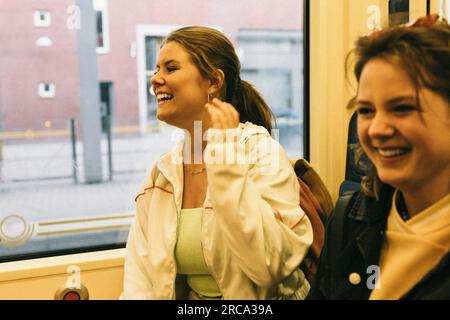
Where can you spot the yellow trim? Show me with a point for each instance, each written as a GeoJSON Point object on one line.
{"type": "Point", "coordinates": [128, 129]}
{"type": "Point", "coordinates": [33, 134]}
{"type": "Point", "coordinates": [417, 9]}
{"type": "Point", "coordinates": [100, 272]}
{"type": "Point", "coordinates": [103, 284]}
{"type": "Point", "coordinates": [435, 6]}
{"type": "Point", "coordinates": [329, 42]}
{"type": "Point", "coordinates": [52, 233]}
{"type": "Point", "coordinates": [84, 220]}
{"type": "Point", "coordinates": [35, 268]}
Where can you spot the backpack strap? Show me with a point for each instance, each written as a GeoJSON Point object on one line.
{"type": "Point", "coordinates": [343, 205]}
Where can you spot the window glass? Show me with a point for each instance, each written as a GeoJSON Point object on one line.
{"type": "Point", "coordinates": [78, 130]}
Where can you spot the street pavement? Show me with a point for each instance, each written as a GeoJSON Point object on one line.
{"type": "Point", "coordinates": [37, 181]}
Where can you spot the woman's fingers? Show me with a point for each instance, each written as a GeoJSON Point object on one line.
{"type": "Point", "coordinates": [217, 119]}
{"type": "Point", "coordinates": [225, 115]}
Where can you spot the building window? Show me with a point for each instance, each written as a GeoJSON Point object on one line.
{"type": "Point", "coordinates": [102, 25]}
{"type": "Point", "coordinates": [42, 18]}
{"type": "Point", "coordinates": [46, 89]}
{"type": "Point", "coordinates": [272, 61]}
{"type": "Point", "coordinates": [44, 42]}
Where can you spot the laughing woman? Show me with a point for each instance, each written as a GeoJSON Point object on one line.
{"type": "Point", "coordinates": [393, 239]}
{"type": "Point", "coordinates": [217, 218]}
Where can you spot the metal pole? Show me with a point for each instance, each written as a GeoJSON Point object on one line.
{"type": "Point", "coordinates": [108, 136]}
{"type": "Point", "coordinates": [90, 122]}
{"type": "Point", "coordinates": [73, 139]}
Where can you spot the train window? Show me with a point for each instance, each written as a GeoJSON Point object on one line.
{"type": "Point", "coordinates": [70, 166]}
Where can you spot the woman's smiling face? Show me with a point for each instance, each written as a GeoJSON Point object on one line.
{"type": "Point", "coordinates": [405, 132]}
{"type": "Point", "coordinates": [181, 91]}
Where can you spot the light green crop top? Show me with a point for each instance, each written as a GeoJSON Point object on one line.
{"type": "Point", "coordinates": [189, 254]}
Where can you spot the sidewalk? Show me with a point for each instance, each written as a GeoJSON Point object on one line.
{"type": "Point", "coordinates": [26, 190]}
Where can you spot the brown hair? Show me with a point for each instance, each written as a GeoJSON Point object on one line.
{"type": "Point", "coordinates": [423, 50]}
{"type": "Point", "coordinates": [211, 50]}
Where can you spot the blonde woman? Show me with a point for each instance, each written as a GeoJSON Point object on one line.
{"type": "Point", "coordinates": [215, 225]}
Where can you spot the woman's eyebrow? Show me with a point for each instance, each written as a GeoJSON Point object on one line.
{"type": "Point", "coordinates": [402, 99]}
{"type": "Point", "coordinates": [390, 101]}
{"type": "Point", "coordinates": [168, 62]}
{"type": "Point", "coordinates": [362, 101]}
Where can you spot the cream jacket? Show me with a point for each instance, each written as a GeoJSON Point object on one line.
{"type": "Point", "coordinates": [254, 233]}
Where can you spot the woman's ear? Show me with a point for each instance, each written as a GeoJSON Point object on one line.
{"type": "Point", "coordinates": [217, 82]}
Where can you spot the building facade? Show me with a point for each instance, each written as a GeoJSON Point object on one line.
{"type": "Point", "coordinates": [39, 81]}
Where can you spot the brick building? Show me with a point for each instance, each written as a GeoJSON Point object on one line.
{"type": "Point", "coordinates": [39, 82]}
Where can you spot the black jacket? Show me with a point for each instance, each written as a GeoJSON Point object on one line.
{"type": "Point", "coordinates": [353, 240]}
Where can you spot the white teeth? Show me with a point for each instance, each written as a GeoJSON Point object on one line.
{"type": "Point", "coordinates": [161, 97]}
{"type": "Point", "coordinates": [391, 152]}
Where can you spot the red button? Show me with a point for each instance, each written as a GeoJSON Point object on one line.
{"type": "Point", "coordinates": [71, 296]}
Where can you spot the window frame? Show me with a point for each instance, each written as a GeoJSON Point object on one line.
{"type": "Point", "coordinates": [159, 30]}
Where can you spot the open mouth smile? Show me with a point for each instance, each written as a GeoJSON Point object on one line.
{"type": "Point", "coordinates": [392, 153]}
{"type": "Point", "coordinates": [163, 97]}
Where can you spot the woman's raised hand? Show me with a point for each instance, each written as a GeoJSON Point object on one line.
{"type": "Point", "coordinates": [223, 115]}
